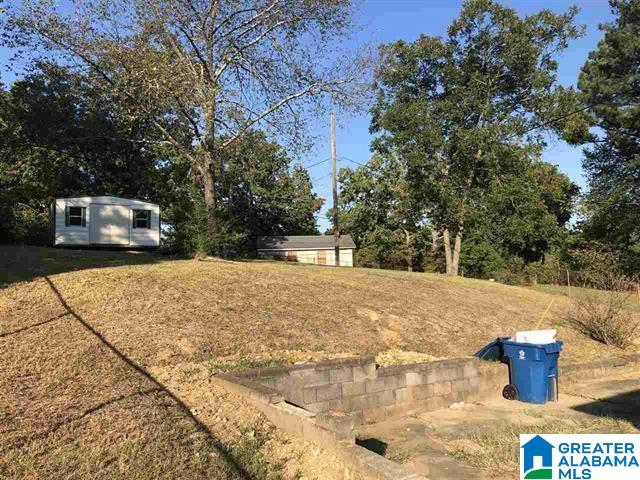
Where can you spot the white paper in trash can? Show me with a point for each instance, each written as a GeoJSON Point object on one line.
{"type": "Point", "coordinates": [540, 337]}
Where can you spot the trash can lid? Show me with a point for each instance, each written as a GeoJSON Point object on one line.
{"type": "Point", "coordinates": [492, 351]}
{"type": "Point", "coordinates": [555, 347]}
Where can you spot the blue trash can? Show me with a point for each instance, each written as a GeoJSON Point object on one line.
{"type": "Point", "coordinates": [533, 370]}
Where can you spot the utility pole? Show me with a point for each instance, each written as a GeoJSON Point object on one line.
{"type": "Point", "coordinates": [336, 229]}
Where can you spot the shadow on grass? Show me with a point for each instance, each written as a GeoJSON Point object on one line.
{"type": "Point", "coordinates": [28, 327]}
{"type": "Point", "coordinates": [211, 439]}
{"type": "Point", "coordinates": [22, 263]}
{"type": "Point", "coordinates": [624, 406]}
{"type": "Point", "coordinates": [92, 410]}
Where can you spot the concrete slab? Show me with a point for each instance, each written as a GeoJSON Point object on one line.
{"type": "Point", "coordinates": [617, 395]}
{"type": "Point", "coordinates": [421, 440]}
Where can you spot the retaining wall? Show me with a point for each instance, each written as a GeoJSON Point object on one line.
{"type": "Point", "coordinates": [575, 372]}
{"type": "Point", "coordinates": [326, 430]}
{"type": "Point", "coordinates": [357, 385]}
{"type": "Point", "coordinates": [323, 402]}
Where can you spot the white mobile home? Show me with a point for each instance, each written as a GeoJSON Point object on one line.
{"type": "Point", "coordinates": [105, 221]}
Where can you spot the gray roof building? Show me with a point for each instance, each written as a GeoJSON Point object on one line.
{"type": "Point", "coordinates": [304, 242]}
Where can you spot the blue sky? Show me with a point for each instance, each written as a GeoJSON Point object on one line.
{"type": "Point", "coordinates": [384, 21]}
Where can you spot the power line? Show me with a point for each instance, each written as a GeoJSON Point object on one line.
{"type": "Point", "coordinates": [562, 117]}
{"type": "Point", "coordinates": [528, 130]}
{"type": "Point", "coordinates": [614, 202]}
{"type": "Point", "coordinates": [316, 164]}
{"type": "Point", "coordinates": [363, 165]}
{"type": "Point", "coordinates": [320, 177]}
{"type": "Point", "coordinates": [357, 163]}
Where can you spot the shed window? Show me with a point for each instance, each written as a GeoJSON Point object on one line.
{"type": "Point", "coordinates": [75, 216]}
{"type": "Point", "coordinates": [142, 219]}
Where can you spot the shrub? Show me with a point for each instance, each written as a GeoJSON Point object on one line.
{"type": "Point", "coordinates": [596, 267]}
{"type": "Point", "coordinates": [603, 313]}
{"type": "Point", "coordinates": [551, 270]}
{"type": "Point", "coordinates": [366, 257]}
{"type": "Point", "coordinates": [27, 225]}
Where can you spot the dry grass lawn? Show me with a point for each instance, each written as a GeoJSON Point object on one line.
{"type": "Point", "coordinates": [496, 448]}
{"type": "Point", "coordinates": [105, 355]}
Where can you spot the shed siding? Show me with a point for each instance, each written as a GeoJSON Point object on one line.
{"type": "Point", "coordinates": [72, 235]}
{"type": "Point", "coordinates": [146, 237]}
{"type": "Point", "coordinates": [346, 257]}
{"type": "Point", "coordinates": [75, 235]}
{"type": "Point", "coordinates": [307, 256]}
{"type": "Point", "coordinates": [312, 256]}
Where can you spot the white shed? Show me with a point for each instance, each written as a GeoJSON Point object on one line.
{"type": "Point", "coordinates": [105, 221]}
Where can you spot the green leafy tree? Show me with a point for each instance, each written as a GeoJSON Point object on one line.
{"type": "Point", "coordinates": [610, 85]}
{"type": "Point", "coordinates": [60, 137]}
{"type": "Point", "coordinates": [223, 68]}
{"type": "Point", "coordinates": [472, 107]}
{"type": "Point", "coordinates": [375, 208]}
{"type": "Point", "coordinates": [524, 218]}
{"type": "Point", "coordinates": [266, 194]}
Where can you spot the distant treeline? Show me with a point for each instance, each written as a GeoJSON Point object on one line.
{"type": "Point", "coordinates": [203, 113]}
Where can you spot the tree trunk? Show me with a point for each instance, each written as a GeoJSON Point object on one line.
{"type": "Point", "coordinates": [452, 257]}
{"type": "Point", "coordinates": [209, 180]}
{"type": "Point", "coordinates": [410, 257]}
{"type": "Point", "coordinates": [447, 250]}
{"type": "Point", "coordinates": [211, 201]}
{"type": "Point", "coordinates": [455, 263]}
{"type": "Point", "coordinates": [434, 241]}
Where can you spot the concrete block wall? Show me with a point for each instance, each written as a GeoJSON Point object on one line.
{"type": "Point", "coordinates": [600, 368]}
{"type": "Point", "coordinates": [340, 394]}
{"type": "Point", "coordinates": [319, 387]}
{"type": "Point", "coordinates": [436, 385]}
{"type": "Point", "coordinates": [326, 430]}
{"type": "Point", "coordinates": [357, 385]}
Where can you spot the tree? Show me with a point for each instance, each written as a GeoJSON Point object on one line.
{"type": "Point", "coordinates": [224, 68]}
{"type": "Point", "coordinates": [265, 194]}
{"type": "Point", "coordinates": [376, 210]}
{"type": "Point", "coordinates": [524, 217]}
{"type": "Point", "coordinates": [471, 108]}
{"type": "Point", "coordinates": [610, 86]}
{"type": "Point", "coordinates": [60, 137]}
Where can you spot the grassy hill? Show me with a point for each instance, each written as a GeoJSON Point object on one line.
{"type": "Point", "coordinates": [106, 355]}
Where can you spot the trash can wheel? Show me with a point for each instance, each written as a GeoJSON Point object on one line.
{"type": "Point", "coordinates": [510, 392]}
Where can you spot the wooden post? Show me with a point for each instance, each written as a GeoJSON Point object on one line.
{"type": "Point", "coordinates": [408, 241]}
{"type": "Point", "coordinates": [544, 314]}
{"type": "Point", "coordinates": [336, 228]}
{"type": "Point", "coordinates": [568, 283]}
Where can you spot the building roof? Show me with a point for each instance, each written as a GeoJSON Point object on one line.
{"type": "Point", "coordinates": [105, 198]}
{"type": "Point", "coordinates": [301, 242]}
